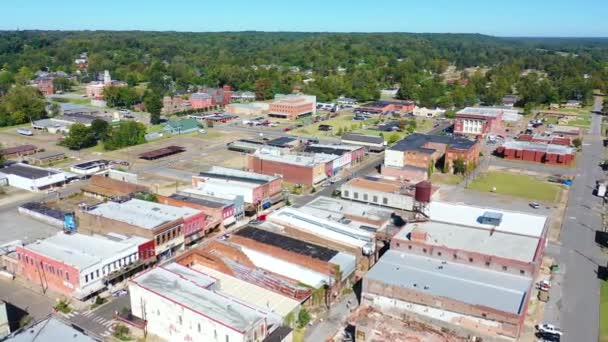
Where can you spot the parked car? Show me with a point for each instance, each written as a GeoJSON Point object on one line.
{"type": "Point", "coordinates": [544, 337]}
{"type": "Point", "coordinates": [544, 285]}
{"type": "Point", "coordinates": [120, 293]}
{"type": "Point", "coordinates": [535, 205]}
{"type": "Point", "coordinates": [548, 329]}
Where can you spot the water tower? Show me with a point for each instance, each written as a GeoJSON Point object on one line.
{"type": "Point", "coordinates": [422, 198]}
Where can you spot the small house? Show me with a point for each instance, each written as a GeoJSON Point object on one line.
{"type": "Point", "coordinates": [181, 126]}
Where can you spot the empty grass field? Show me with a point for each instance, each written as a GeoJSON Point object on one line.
{"type": "Point", "coordinates": [517, 185]}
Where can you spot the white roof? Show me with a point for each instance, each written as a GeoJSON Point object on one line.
{"type": "Point", "coordinates": [309, 160]}
{"type": "Point", "coordinates": [323, 228]}
{"type": "Point", "coordinates": [82, 251]}
{"type": "Point", "coordinates": [144, 214]}
{"type": "Point", "coordinates": [292, 271]}
{"type": "Point", "coordinates": [466, 215]}
{"type": "Point", "coordinates": [238, 173]}
{"type": "Point", "coordinates": [487, 111]}
{"type": "Point", "coordinates": [187, 288]}
{"type": "Point", "coordinates": [250, 293]}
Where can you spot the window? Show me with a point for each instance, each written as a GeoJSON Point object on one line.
{"type": "Point", "coordinates": [157, 312]}
{"type": "Point", "coordinates": [227, 338]}
{"type": "Point", "coordinates": [522, 272]}
{"type": "Point", "coordinates": [488, 263]}
{"type": "Point", "coordinates": [384, 200]}
{"type": "Point", "coordinates": [215, 334]}
{"type": "Point", "coordinates": [199, 327]}
{"type": "Point", "coordinates": [438, 253]}
{"type": "Point", "coordinates": [67, 276]}
{"type": "Point", "coordinates": [86, 278]}
{"type": "Point", "coordinates": [409, 247]}
{"type": "Point", "coordinates": [398, 244]}
{"type": "Point", "coordinates": [365, 197]}
{"type": "Point", "coordinates": [484, 315]}
{"type": "Point", "coordinates": [179, 319]}
{"type": "Point", "coordinates": [424, 250]}
{"type": "Point", "coordinates": [345, 193]}
{"type": "Point", "coordinates": [355, 195]}
{"type": "Point", "coordinates": [455, 256]}
{"type": "Point", "coordinates": [504, 268]}
{"type": "Point", "coordinates": [97, 273]}
{"type": "Point", "coordinates": [375, 199]}
{"type": "Point", "coordinates": [470, 259]}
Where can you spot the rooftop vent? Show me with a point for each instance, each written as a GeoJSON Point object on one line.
{"type": "Point", "coordinates": [490, 217]}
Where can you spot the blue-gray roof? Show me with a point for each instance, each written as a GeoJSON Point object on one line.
{"type": "Point", "coordinates": [468, 284]}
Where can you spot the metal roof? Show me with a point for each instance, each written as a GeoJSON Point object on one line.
{"type": "Point", "coordinates": [28, 171]}
{"type": "Point", "coordinates": [81, 251]}
{"type": "Point", "coordinates": [468, 284]}
{"type": "Point", "coordinates": [51, 329]}
{"type": "Point", "coordinates": [144, 214]}
{"type": "Point", "coordinates": [17, 149]}
{"type": "Point", "coordinates": [281, 141]}
{"type": "Point", "coordinates": [200, 201]}
{"type": "Point", "coordinates": [44, 210]}
{"type": "Point", "coordinates": [162, 152]}
{"type": "Point", "coordinates": [45, 155]}
{"type": "Point", "coordinates": [237, 175]}
{"type": "Point", "coordinates": [539, 147]}
{"type": "Point", "coordinates": [188, 288]}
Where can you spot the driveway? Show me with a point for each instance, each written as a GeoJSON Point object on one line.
{"type": "Point", "coordinates": [574, 306]}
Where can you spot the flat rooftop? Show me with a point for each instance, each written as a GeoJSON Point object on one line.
{"type": "Point", "coordinates": [463, 283]}
{"type": "Point", "coordinates": [281, 141]}
{"type": "Point", "coordinates": [212, 200]}
{"type": "Point", "coordinates": [82, 251]}
{"type": "Point", "coordinates": [505, 245]}
{"type": "Point", "coordinates": [324, 228]}
{"type": "Point", "coordinates": [485, 111]}
{"type": "Point", "coordinates": [336, 205]}
{"type": "Point", "coordinates": [237, 175]}
{"type": "Point", "coordinates": [161, 152]}
{"type": "Point", "coordinates": [382, 185]}
{"type": "Point", "coordinates": [144, 214]}
{"type": "Point", "coordinates": [28, 171]}
{"type": "Point", "coordinates": [417, 141]}
{"type": "Point", "coordinates": [197, 200]}
{"type": "Point", "coordinates": [91, 164]}
{"type": "Point", "coordinates": [331, 149]}
{"type": "Point", "coordinates": [17, 149]}
{"type": "Point", "coordinates": [467, 215]}
{"type": "Point", "coordinates": [249, 292]}
{"type": "Point", "coordinates": [539, 147]}
{"type": "Point", "coordinates": [46, 155]}
{"type": "Point", "coordinates": [308, 160]}
{"type": "Point", "coordinates": [364, 138]}
{"type": "Point", "coordinates": [188, 288]}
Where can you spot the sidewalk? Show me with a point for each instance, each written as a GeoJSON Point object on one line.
{"type": "Point", "coordinates": [331, 322]}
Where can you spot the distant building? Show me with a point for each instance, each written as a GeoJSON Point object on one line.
{"type": "Point", "coordinates": [347, 154]}
{"type": "Point", "coordinates": [244, 109]}
{"type": "Point", "coordinates": [18, 151]}
{"type": "Point", "coordinates": [385, 107]}
{"type": "Point", "coordinates": [80, 265]}
{"type": "Point", "coordinates": [292, 106]}
{"type": "Point", "coordinates": [245, 96]}
{"type": "Point", "coordinates": [201, 101]}
{"type": "Point", "coordinates": [510, 100]}
{"type": "Point", "coordinates": [481, 121]}
{"type": "Point", "coordinates": [94, 90]}
{"type": "Point", "coordinates": [306, 169]}
{"type": "Point", "coordinates": [175, 104]}
{"type": "Point", "coordinates": [572, 104]}
{"type": "Point", "coordinates": [410, 157]}
{"type": "Point", "coordinates": [389, 92]}
{"type": "Point", "coordinates": [220, 96]}
{"type": "Point", "coordinates": [346, 101]}
{"type": "Point", "coordinates": [537, 152]}
{"type": "Point", "coordinates": [45, 86]}
{"type": "Point", "coordinates": [182, 126]}
{"type": "Point", "coordinates": [428, 113]}
{"type": "Point", "coordinates": [45, 158]}
{"type": "Point", "coordinates": [372, 143]}
{"type": "Point", "coordinates": [106, 188]}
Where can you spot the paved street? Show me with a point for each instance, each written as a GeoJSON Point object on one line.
{"type": "Point", "coordinates": [100, 320]}
{"type": "Point", "coordinates": [335, 320]}
{"type": "Point", "coordinates": [576, 308]}
{"type": "Point", "coordinates": [35, 304]}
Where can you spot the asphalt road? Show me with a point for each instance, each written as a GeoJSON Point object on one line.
{"type": "Point", "coordinates": [100, 320]}
{"type": "Point", "coordinates": [579, 256]}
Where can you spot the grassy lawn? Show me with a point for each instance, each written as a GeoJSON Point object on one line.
{"type": "Point", "coordinates": [604, 312]}
{"type": "Point", "coordinates": [343, 121]}
{"type": "Point", "coordinates": [96, 148]}
{"type": "Point", "coordinates": [210, 134]}
{"type": "Point", "coordinates": [155, 128]}
{"type": "Point", "coordinates": [81, 101]}
{"type": "Point", "coordinates": [8, 128]}
{"type": "Point", "coordinates": [516, 185]}
{"type": "Point", "coordinates": [584, 120]}
{"type": "Point", "coordinates": [446, 178]}
{"type": "Point", "coordinates": [298, 335]}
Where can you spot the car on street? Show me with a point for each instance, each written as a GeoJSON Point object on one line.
{"type": "Point", "coordinates": [548, 329]}
{"type": "Point", "coordinates": [535, 205]}
{"type": "Point", "coordinates": [544, 285]}
{"type": "Point", "coordinates": [549, 337]}
{"type": "Point", "coordinates": [120, 293]}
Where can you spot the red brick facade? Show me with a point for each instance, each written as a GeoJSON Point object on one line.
{"type": "Point", "coordinates": [535, 156]}
{"type": "Point", "coordinates": [296, 174]}
{"type": "Point", "coordinates": [47, 272]}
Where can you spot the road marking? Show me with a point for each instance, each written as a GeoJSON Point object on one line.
{"type": "Point", "coordinates": [98, 320]}
{"type": "Point", "coordinates": [108, 324]}
{"type": "Point", "coordinates": [88, 314]}
{"type": "Point", "coordinates": [572, 217]}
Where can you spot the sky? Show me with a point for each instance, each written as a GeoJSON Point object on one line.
{"type": "Point", "coordinates": [555, 18]}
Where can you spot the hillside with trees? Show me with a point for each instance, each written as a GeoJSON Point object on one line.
{"type": "Point", "coordinates": [352, 64]}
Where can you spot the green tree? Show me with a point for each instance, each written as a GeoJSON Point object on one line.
{"type": "Point", "coordinates": [6, 81]}
{"type": "Point", "coordinates": [1, 158]}
{"type": "Point", "coordinates": [263, 90]}
{"type": "Point", "coordinates": [80, 136]}
{"type": "Point", "coordinates": [54, 109]}
{"type": "Point", "coordinates": [23, 76]}
{"type": "Point", "coordinates": [128, 133]}
{"type": "Point", "coordinates": [303, 318]}
{"type": "Point", "coordinates": [100, 128]}
{"type": "Point", "coordinates": [62, 84]}
{"type": "Point", "coordinates": [393, 138]}
{"type": "Point", "coordinates": [20, 105]}
{"type": "Point", "coordinates": [460, 166]}
{"type": "Point", "coordinates": [577, 143]}
{"type": "Point", "coordinates": [120, 97]}
{"type": "Point", "coordinates": [154, 105]}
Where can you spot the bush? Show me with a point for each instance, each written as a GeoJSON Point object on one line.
{"type": "Point", "coordinates": [577, 143]}
{"type": "Point", "coordinates": [122, 332]}
{"type": "Point", "coordinates": [303, 318]}
{"type": "Point", "coordinates": [63, 306]}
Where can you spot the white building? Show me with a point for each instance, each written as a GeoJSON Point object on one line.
{"type": "Point", "coordinates": [181, 304]}
{"type": "Point", "coordinates": [32, 178]}
{"type": "Point", "coordinates": [428, 113]}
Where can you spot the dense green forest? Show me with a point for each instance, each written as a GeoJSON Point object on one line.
{"type": "Point", "coordinates": [352, 64]}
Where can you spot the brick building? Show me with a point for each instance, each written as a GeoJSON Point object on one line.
{"type": "Point", "coordinates": [79, 265]}
{"type": "Point", "coordinates": [347, 154]}
{"type": "Point", "coordinates": [410, 158]}
{"type": "Point", "coordinates": [537, 152]}
{"type": "Point", "coordinates": [480, 121]}
{"type": "Point", "coordinates": [18, 151]}
{"type": "Point", "coordinates": [201, 101]}
{"type": "Point", "coordinates": [168, 226]}
{"type": "Point", "coordinates": [45, 85]}
{"type": "Point", "coordinates": [545, 139]}
{"type": "Point", "coordinates": [292, 106]}
{"type": "Point", "coordinates": [219, 212]}
{"type": "Point", "coordinates": [219, 96]}
{"type": "Point", "coordinates": [385, 107]}
{"type": "Point", "coordinates": [255, 188]}
{"type": "Point", "coordinates": [175, 104]}
{"type": "Point", "coordinates": [104, 187]}
{"type": "Point", "coordinates": [306, 169]}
